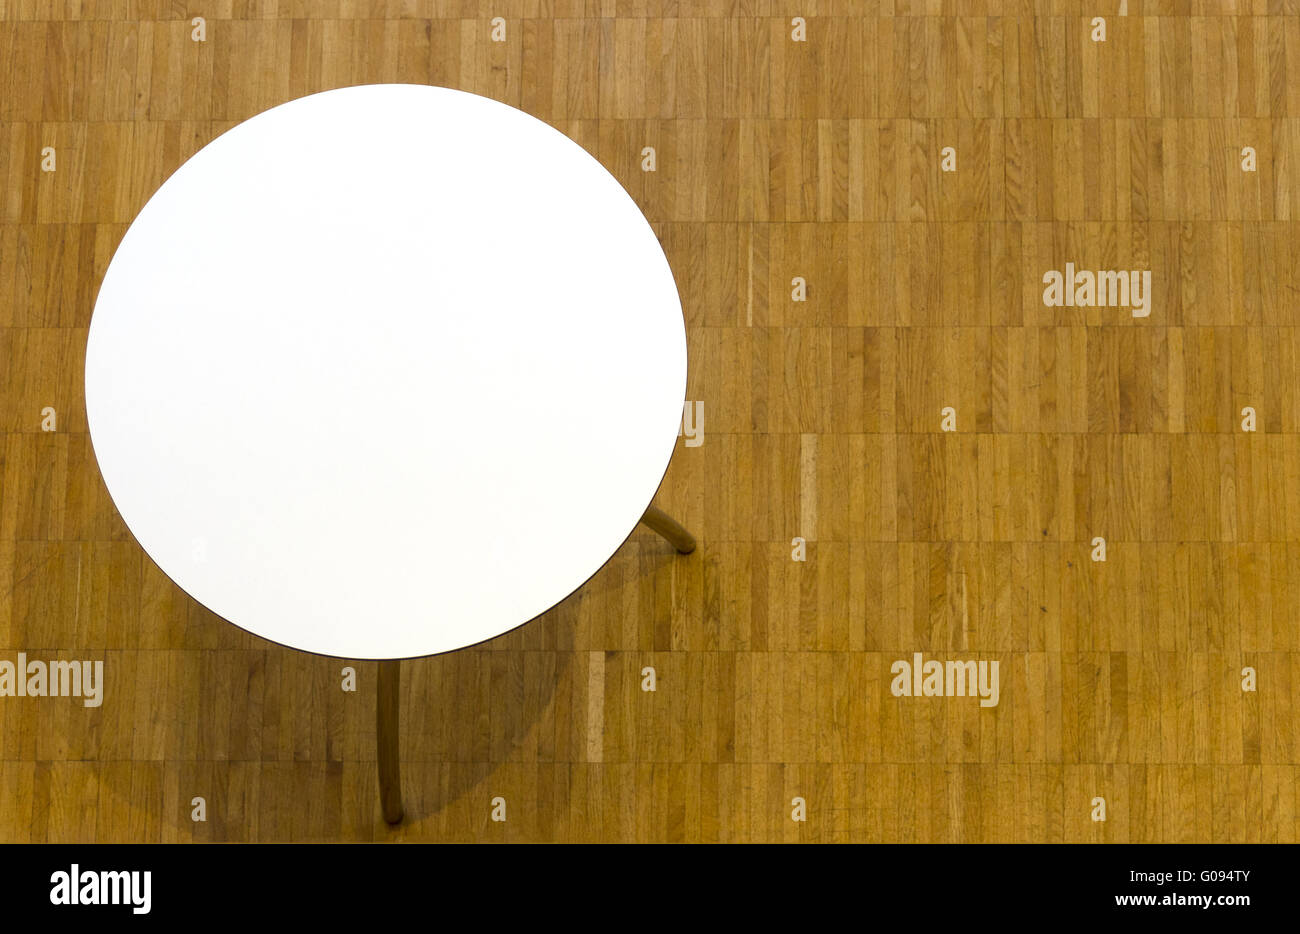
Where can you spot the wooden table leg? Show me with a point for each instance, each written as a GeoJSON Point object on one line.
{"type": "Point", "coordinates": [386, 719]}
{"type": "Point", "coordinates": [659, 521]}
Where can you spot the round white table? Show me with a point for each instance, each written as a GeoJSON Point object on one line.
{"type": "Point", "coordinates": [385, 372]}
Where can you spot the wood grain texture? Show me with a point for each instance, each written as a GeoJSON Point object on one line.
{"type": "Point", "coordinates": [775, 159]}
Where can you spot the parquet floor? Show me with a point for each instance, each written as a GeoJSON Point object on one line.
{"type": "Point", "coordinates": [822, 419]}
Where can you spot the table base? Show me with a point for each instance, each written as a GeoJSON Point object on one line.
{"type": "Point", "coordinates": [390, 677]}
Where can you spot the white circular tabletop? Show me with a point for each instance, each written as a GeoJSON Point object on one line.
{"type": "Point", "coordinates": [385, 371]}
